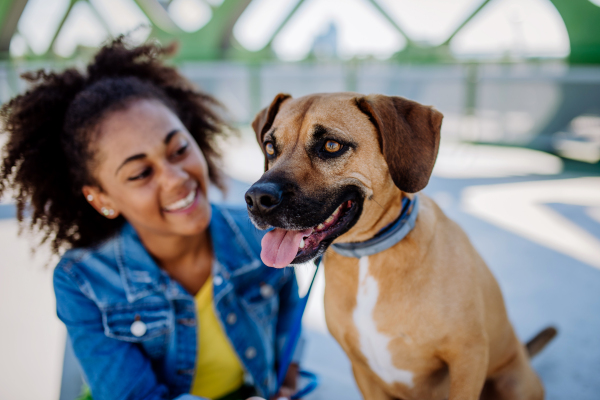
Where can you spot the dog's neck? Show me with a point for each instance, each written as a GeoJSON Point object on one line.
{"type": "Point", "coordinates": [377, 214]}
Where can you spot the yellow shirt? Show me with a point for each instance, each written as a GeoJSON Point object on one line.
{"type": "Point", "coordinates": [218, 370]}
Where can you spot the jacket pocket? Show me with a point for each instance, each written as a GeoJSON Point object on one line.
{"type": "Point", "coordinates": [147, 324]}
{"type": "Point", "coordinates": [261, 294]}
{"type": "Point", "coordinates": [264, 309]}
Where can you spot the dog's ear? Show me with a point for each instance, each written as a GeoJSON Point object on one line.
{"type": "Point", "coordinates": [264, 120]}
{"type": "Point", "coordinates": [409, 136]}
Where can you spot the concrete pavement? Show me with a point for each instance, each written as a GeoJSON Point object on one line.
{"type": "Point", "coordinates": [542, 253]}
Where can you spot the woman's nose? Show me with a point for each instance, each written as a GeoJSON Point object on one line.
{"type": "Point", "coordinates": [173, 176]}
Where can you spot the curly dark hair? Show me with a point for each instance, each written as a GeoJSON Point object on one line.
{"type": "Point", "coordinates": [49, 155]}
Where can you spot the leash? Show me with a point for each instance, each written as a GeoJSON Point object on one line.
{"type": "Point", "coordinates": [292, 342]}
{"type": "Point", "coordinates": [386, 238]}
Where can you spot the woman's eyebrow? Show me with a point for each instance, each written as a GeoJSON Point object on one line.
{"type": "Point", "coordinates": [170, 135]}
{"type": "Point", "coordinates": [140, 156]}
{"type": "Point", "coordinates": [129, 159]}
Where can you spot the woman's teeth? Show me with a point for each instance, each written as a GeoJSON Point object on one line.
{"type": "Point", "coordinates": [183, 203]}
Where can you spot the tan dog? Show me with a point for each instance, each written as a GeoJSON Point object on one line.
{"type": "Point", "coordinates": [422, 320]}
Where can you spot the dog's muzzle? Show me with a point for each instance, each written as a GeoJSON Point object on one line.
{"type": "Point", "coordinates": [305, 224]}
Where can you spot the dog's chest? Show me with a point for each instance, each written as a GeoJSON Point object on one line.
{"type": "Point", "coordinates": [373, 344]}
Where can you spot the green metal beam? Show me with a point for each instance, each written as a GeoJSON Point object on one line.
{"type": "Point", "coordinates": [100, 18]}
{"type": "Point", "coordinates": [215, 40]}
{"type": "Point", "coordinates": [212, 42]}
{"type": "Point", "coordinates": [10, 13]}
{"type": "Point", "coordinates": [284, 23]}
{"type": "Point", "coordinates": [60, 26]}
{"type": "Point", "coordinates": [582, 20]}
{"type": "Point", "coordinates": [465, 22]}
{"type": "Point", "coordinates": [159, 16]}
{"type": "Point", "coordinates": [385, 15]}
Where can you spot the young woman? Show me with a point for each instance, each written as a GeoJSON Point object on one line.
{"type": "Point", "coordinates": [163, 294]}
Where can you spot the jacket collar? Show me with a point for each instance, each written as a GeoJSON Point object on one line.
{"type": "Point", "coordinates": [232, 251]}
{"type": "Point", "coordinates": [141, 276]}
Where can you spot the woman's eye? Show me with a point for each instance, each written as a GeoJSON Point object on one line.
{"type": "Point", "coordinates": [331, 146]}
{"type": "Point", "coordinates": [269, 148]}
{"type": "Point", "coordinates": [145, 173]}
{"type": "Point", "coordinates": [181, 150]}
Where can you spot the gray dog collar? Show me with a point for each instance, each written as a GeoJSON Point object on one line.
{"type": "Point", "coordinates": [387, 237]}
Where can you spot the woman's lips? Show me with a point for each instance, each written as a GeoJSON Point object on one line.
{"type": "Point", "coordinates": [185, 203]}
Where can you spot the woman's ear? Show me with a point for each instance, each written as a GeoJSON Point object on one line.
{"type": "Point", "coordinates": [409, 135]}
{"type": "Point", "coordinates": [100, 201]}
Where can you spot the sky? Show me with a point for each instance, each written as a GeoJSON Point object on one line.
{"type": "Point", "coordinates": [517, 27]}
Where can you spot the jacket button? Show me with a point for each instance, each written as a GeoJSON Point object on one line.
{"type": "Point", "coordinates": [138, 328]}
{"type": "Point", "coordinates": [217, 280]}
{"type": "Point", "coordinates": [231, 318]}
{"type": "Point", "coordinates": [266, 291]}
{"type": "Point", "coordinates": [250, 353]}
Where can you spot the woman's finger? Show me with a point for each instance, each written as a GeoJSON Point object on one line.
{"type": "Point", "coordinates": [285, 393]}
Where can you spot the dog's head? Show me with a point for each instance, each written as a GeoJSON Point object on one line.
{"type": "Point", "coordinates": [332, 158]}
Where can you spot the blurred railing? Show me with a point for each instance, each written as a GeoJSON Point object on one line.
{"type": "Point", "coordinates": [500, 103]}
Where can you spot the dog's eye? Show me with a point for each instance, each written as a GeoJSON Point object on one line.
{"type": "Point", "coordinates": [269, 148]}
{"type": "Point", "coordinates": [331, 146]}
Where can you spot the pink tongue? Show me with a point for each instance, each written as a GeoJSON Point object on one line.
{"type": "Point", "coordinates": [279, 247]}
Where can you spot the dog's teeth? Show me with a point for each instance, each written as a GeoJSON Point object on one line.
{"type": "Point", "coordinates": [302, 243]}
{"type": "Point", "coordinates": [331, 218]}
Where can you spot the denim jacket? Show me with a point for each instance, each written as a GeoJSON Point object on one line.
{"type": "Point", "coordinates": [102, 292]}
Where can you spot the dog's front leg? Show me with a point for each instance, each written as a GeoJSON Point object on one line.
{"type": "Point", "coordinates": [468, 367]}
{"type": "Point", "coordinates": [369, 387]}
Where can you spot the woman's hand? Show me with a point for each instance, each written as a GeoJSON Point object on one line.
{"type": "Point", "coordinates": [288, 388]}
{"type": "Point", "coordinates": [289, 385]}
{"type": "Point", "coordinates": [285, 393]}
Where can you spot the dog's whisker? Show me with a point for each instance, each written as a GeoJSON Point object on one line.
{"type": "Point", "coordinates": [376, 202]}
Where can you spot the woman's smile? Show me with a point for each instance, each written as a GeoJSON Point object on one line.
{"type": "Point", "coordinates": [185, 204]}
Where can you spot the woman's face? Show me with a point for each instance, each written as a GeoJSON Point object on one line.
{"type": "Point", "coordinates": [151, 171]}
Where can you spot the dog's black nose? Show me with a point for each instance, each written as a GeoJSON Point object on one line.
{"type": "Point", "coordinates": [263, 197]}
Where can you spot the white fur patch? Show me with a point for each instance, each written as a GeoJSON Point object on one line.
{"type": "Point", "coordinates": [373, 344]}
